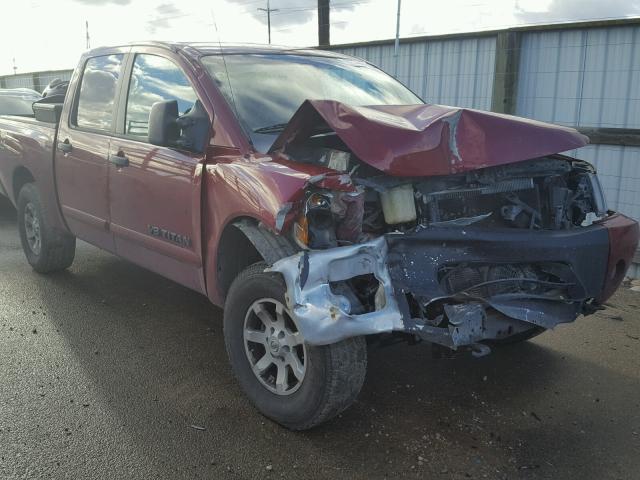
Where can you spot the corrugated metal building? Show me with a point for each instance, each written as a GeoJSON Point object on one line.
{"type": "Point", "coordinates": [589, 78]}
{"type": "Point", "coordinates": [451, 71]}
{"type": "Point", "coordinates": [584, 75]}
{"type": "Point", "coordinates": [36, 80]}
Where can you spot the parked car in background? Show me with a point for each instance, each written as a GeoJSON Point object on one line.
{"type": "Point", "coordinates": [19, 92]}
{"type": "Point", "coordinates": [320, 202]}
{"type": "Point", "coordinates": [18, 101]}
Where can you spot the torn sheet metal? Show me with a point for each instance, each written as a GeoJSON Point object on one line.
{"type": "Point", "coordinates": [543, 313]}
{"type": "Point", "coordinates": [282, 215]}
{"type": "Point", "coordinates": [325, 317]}
{"type": "Point", "coordinates": [407, 267]}
{"type": "Point", "coordinates": [462, 221]}
{"type": "Point", "coordinates": [422, 140]}
{"type": "Point", "coordinates": [466, 322]}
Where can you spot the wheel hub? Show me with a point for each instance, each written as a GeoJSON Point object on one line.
{"type": "Point", "coordinates": [274, 347]}
{"type": "Point", "coordinates": [32, 229]}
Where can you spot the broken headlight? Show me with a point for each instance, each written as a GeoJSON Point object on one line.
{"type": "Point", "coordinates": [315, 227]}
{"type": "Point", "coordinates": [330, 218]}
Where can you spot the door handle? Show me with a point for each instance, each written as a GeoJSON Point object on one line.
{"type": "Point", "coordinates": [65, 147]}
{"type": "Point", "coordinates": [119, 160]}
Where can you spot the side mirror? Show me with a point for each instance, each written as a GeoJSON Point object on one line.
{"type": "Point", "coordinates": [163, 129]}
{"type": "Point", "coordinates": [195, 127]}
{"type": "Point", "coordinates": [48, 109]}
{"type": "Point", "coordinates": [189, 131]}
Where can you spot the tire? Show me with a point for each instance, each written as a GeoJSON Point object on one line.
{"type": "Point", "coordinates": [333, 374]}
{"type": "Point", "coordinates": [47, 250]}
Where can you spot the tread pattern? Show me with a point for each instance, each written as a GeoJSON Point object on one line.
{"type": "Point", "coordinates": [347, 367]}
{"type": "Point", "coordinates": [58, 248]}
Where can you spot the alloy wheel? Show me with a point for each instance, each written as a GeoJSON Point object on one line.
{"type": "Point", "coordinates": [32, 229]}
{"type": "Point", "coordinates": [274, 346]}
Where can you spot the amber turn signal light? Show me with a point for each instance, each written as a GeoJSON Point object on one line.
{"type": "Point", "coordinates": [301, 230]}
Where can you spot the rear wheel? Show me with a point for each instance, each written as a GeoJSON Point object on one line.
{"type": "Point", "coordinates": [47, 250]}
{"type": "Point", "coordinates": [294, 384]}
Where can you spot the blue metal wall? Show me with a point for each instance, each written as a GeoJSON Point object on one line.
{"type": "Point", "coordinates": [450, 72]}
{"type": "Point", "coordinates": [589, 78]}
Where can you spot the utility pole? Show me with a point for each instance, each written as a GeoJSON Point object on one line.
{"type": "Point", "coordinates": [15, 69]}
{"type": "Point", "coordinates": [323, 23]}
{"type": "Point", "coordinates": [269, 10]}
{"type": "Point", "coordinates": [86, 24]}
{"type": "Point", "coordinates": [397, 45]}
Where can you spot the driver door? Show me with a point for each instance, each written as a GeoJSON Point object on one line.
{"type": "Point", "coordinates": [154, 191]}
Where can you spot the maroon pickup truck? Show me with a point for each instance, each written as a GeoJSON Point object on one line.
{"type": "Point", "coordinates": [321, 202]}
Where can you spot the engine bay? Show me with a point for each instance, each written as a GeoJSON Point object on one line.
{"type": "Point", "coordinates": [550, 193]}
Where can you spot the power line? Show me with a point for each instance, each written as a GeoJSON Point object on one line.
{"type": "Point", "coordinates": [269, 10]}
{"type": "Point", "coordinates": [294, 10]}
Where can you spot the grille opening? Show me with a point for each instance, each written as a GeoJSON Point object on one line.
{"type": "Point", "coordinates": [486, 280]}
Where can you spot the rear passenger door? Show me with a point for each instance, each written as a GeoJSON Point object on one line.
{"type": "Point", "coordinates": [155, 196]}
{"type": "Point", "coordinates": [84, 136]}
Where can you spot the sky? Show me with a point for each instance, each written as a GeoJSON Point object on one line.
{"type": "Point", "coordinates": [50, 35]}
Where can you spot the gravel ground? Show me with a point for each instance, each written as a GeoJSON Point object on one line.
{"type": "Point", "coordinates": [109, 371]}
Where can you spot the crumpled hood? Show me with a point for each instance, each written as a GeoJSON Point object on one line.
{"type": "Point", "coordinates": [421, 140]}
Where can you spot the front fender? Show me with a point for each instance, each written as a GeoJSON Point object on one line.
{"type": "Point", "coordinates": [256, 191]}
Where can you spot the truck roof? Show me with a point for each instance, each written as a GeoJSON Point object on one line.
{"type": "Point", "coordinates": [196, 49]}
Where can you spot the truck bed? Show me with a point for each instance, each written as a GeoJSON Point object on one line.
{"type": "Point", "coordinates": [27, 145]}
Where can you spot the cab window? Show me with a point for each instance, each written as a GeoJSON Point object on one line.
{"type": "Point", "coordinates": [154, 79]}
{"type": "Point", "coordinates": [96, 101]}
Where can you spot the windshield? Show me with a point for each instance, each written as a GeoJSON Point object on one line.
{"type": "Point", "coordinates": [265, 90]}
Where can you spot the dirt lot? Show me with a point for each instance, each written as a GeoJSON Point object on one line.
{"type": "Point", "coordinates": [108, 371]}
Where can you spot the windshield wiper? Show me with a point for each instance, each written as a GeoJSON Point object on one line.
{"type": "Point", "coordinates": [277, 128]}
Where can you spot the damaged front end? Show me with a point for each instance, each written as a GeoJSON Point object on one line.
{"type": "Point", "coordinates": [459, 258]}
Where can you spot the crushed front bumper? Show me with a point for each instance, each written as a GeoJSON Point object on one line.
{"type": "Point", "coordinates": [407, 266]}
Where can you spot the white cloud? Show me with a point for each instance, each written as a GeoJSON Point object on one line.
{"type": "Point", "coordinates": [573, 10]}
{"type": "Point", "coordinates": [103, 2]}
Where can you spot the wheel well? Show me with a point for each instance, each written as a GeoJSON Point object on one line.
{"type": "Point", "coordinates": [235, 253]}
{"type": "Point", "coordinates": [21, 177]}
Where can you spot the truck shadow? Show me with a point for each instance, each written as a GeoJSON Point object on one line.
{"type": "Point", "coordinates": [155, 350]}
{"type": "Point", "coordinates": [7, 212]}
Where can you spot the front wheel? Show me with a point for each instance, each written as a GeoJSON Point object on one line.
{"type": "Point", "coordinates": [47, 250]}
{"type": "Point", "coordinates": [294, 384]}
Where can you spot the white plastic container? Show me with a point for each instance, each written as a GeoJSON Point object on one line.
{"type": "Point", "coordinates": [398, 205]}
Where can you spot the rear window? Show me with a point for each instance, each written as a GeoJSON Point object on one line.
{"type": "Point", "coordinates": [96, 101]}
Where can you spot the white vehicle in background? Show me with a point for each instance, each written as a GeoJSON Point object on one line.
{"type": "Point", "coordinates": [18, 101]}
